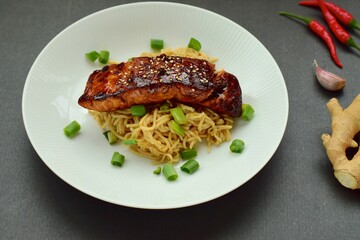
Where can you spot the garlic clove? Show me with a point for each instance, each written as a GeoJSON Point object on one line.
{"type": "Point", "coordinates": [328, 80]}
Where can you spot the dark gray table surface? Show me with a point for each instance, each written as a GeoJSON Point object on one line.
{"type": "Point", "coordinates": [295, 196]}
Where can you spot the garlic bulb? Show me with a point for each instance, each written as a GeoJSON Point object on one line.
{"type": "Point", "coordinates": [329, 80]}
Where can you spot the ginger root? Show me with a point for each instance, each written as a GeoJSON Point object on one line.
{"type": "Point", "coordinates": [345, 124]}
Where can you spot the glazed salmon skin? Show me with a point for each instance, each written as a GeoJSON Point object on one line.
{"type": "Point", "coordinates": [152, 80]}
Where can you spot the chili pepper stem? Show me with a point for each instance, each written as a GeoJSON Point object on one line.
{"type": "Point", "coordinates": [354, 24]}
{"type": "Point", "coordinates": [351, 43]}
{"type": "Point", "coordinates": [304, 19]}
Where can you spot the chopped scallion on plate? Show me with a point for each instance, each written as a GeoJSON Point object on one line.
{"type": "Point", "coordinates": [194, 44]}
{"type": "Point", "coordinates": [110, 137]}
{"type": "Point", "coordinates": [237, 146]}
{"type": "Point", "coordinates": [165, 106]}
{"type": "Point", "coordinates": [157, 44]}
{"type": "Point", "coordinates": [157, 171]}
{"type": "Point", "coordinates": [190, 166]}
{"type": "Point", "coordinates": [104, 56]}
{"type": "Point", "coordinates": [138, 110]}
{"type": "Point", "coordinates": [169, 172]}
{"type": "Point", "coordinates": [178, 115]}
{"type": "Point", "coordinates": [92, 56]}
{"type": "Point", "coordinates": [129, 142]}
{"type": "Point", "coordinates": [72, 129]}
{"type": "Point", "coordinates": [117, 159]}
{"type": "Point", "coordinates": [247, 112]}
{"type": "Point", "coordinates": [188, 153]}
{"type": "Point", "coordinates": [176, 128]}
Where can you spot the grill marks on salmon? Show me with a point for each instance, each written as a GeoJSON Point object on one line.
{"type": "Point", "coordinates": [152, 80]}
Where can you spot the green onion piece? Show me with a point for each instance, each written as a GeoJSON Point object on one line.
{"type": "Point", "coordinates": [72, 129]}
{"type": "Point", "coordinates": [130, 59]}
{"type": "Point", "coordinates": [188, 153]}
{"type": "Point", "coordinates": [237, 146]}
{"type": "Point", "coordinates": [178, 115]}
{"type": "Point", "coordinates": [106, 135]}
{"type": "Point", "coordinates": [165, 106]}
{"type": "Point", "coordinates": [176, 128]}
{"type": "Point", "coordinates": [104, 56]}
{"type": "Point", "coordinates": [247, 112]}
{"type": "Point", "coordinates": [194, 44]}
{"type": "Point", "coordinates": [92, 56]}
{"type": "Point", "coordinates": [157, 171]}
{"type": "Point", "coordinates": [190, 166]}
{"type": "Point", "coordinates": [157, 44]}
{"type": "Point", "coordinates": [138, 110]}
{"type": "Point", "coordinates": [110, 137]}
{"type": "Point", "coordinates": [117, 159]}
{"type": "Point", "coordinates": [129, 141]}
{"type": "Point", "coordinates": [169, 172]}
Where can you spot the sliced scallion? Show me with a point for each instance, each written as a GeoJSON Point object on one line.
{"type": "Point", "coordinates": [110, 137]}
{"type": "Point", "coordinates": [72, 129]}
{"type": "Point", "coordinates": [157, 44]}
{"type": "Point", "coordinates": [104, 56]}
{"type": "Point", "coordinates": [178, 115]}
{"type": "Point", "coordinates": [157, 171]}
{"type": "Point", "coordinates": [237, 146]}
{"type": "Point", "coordinates": [138, 110]}
{"type": "Point", "coordinates": [194, 44]}
{"type": "Point", "coordinates": [176, 128]}
{"type": "Point", "coordinates": [117, 159]}
{"type": "Point", "coordinates": [190, 166]}
{"type": "Point", "coordinates": [165, 106]}
{"type": "Point", "coordinates": [188, 153]}
{"type": "Point", "coordinates": [169, 172]}
{"type": "Point", "coordinates": [247, 112]}
{"type": "Point", "coordinates": [92, 56]}
{"type": "Point", "coordinates": [129, 142]}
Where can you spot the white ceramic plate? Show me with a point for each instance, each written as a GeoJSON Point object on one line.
{"type": "Point", "coordinates": [58, 76]}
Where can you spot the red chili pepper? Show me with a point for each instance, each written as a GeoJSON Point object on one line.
{"type": "Point", "coordinates": [320, 31]}
{"type": "Point", "coordinates": [339, 32]}
{"type": "Point", "coordinates": [341, 14]}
